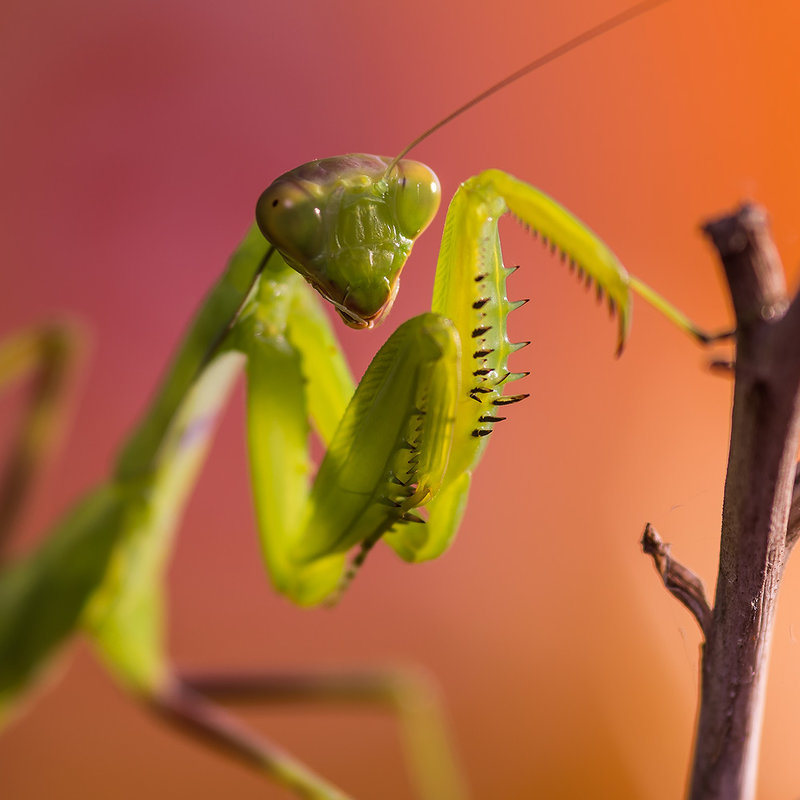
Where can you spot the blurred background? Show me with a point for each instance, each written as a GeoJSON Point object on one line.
{"type": "Point", "coordinates": [135, 139]}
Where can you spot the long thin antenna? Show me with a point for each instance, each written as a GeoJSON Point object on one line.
{"type": "Point", "coordinates": [563, 49]}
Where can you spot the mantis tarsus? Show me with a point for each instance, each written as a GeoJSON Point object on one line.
{"type": "Point", "coordinates": [140, 667]}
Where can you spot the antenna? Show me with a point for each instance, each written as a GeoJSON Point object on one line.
{"type": "Point", "coordinates": [598, 30]}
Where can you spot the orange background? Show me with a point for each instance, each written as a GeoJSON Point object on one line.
{"type": "Point", "coordinates": [135, 140]}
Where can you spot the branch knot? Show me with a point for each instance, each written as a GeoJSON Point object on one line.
{"type": "Point", "coordinates": [681, 582]}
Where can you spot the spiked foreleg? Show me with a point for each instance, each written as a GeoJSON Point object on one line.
{"type": "Point", "coordinates": [294, 370]}
{"type": "Point", "coordinates": [387, 456]}
{"type": "Point", "coordinates": [565, 235]}
{"type": "Point", "coordinates": [277, 433]}
{"type": "Point", "coordinates": [391, 450]}
{"type": "Point", "coordinates": [585, 252]}
{"type": "Point", "coordinates": [470, 290]}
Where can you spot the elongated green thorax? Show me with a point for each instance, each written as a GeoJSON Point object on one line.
{"type": "Point", "coordinates": [347, 226]}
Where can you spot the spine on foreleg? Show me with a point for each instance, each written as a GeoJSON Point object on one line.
{"type": "Point", "coordinates": [470, 290]}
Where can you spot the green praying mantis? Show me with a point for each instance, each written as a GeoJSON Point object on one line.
{"type": "Point", "coordinates": [401, 447]}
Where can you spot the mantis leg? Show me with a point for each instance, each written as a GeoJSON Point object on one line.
{"type": "Point", "coordinates": [103, 563]}
{"type": "Point", "coordinates": [470, 290]}
{"type": "Point", "coordinates": [408, 693]}
{"type": "Point", "coordinates": [385, 456]}
{"type": "Point", "coordinates": [583, 249]}
{"type": "Point", "coordinates": [185, 707]}
{"type": "Point", "coordinates": [157, 469]}
{"type": "Point", "coordinates": [47, 355]}
{"type": "Point", "coordinates": [68, 566]}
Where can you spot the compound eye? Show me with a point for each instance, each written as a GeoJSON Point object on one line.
{"type": "Point", "coordinates": [416, 196]}
{"type": "Point", "coordinates": [290, 219]}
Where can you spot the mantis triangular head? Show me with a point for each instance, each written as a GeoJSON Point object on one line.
{"type": "Point", "coordinates": [347, 224]}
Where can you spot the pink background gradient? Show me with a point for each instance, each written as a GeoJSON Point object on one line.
{"type": "Point", "coordinates": [135, 139]}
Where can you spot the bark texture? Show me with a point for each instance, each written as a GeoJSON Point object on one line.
{"type": "Point", "coordinates": [760, 494]}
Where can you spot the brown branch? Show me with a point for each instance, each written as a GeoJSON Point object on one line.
{"type": "Point", "coordinates": [793, 528]}
{"type": "Point", "coordinates": [681, 582]}
{"type": "Point", "coordinates": [722, 366]}
{"type": "Point", "coordinates": [789, 332]}
{"type": "Point", "coordinates": [756, 512]}
{"type": "Point", "coordinates": [752, 266]}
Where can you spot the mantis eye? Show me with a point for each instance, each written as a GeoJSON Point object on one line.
{"type": "Point", "coordinates": [290, 218]}
{"type": "Point", "coordinates": [416, 194]}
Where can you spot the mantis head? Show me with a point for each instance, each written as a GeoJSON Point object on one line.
{"type": "Point", "coordinates": [347, 224]}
